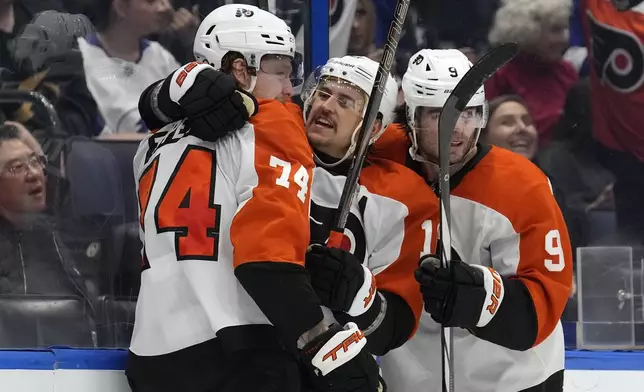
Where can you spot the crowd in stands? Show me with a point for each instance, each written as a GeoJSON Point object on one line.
{"type": "Point", "coordinates": [71, 72]}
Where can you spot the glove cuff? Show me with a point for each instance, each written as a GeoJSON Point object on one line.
{"type": "Point", "coordinates": [365, 296]}
{"type": "Point", "coordinates": [339, 349]}
{"type": "Point", "coordinates": [494, 294]}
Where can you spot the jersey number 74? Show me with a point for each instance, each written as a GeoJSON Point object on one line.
{"type": "Point", "coordinates": [186, 205]}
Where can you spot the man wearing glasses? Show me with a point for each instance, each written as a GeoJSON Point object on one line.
{"type": "Point", "coordinates": [33, 260]}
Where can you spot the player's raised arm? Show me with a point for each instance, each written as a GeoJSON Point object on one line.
{"type": "Point", "coordinates": [208, 97]}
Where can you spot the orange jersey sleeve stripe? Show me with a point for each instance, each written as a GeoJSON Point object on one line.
{"type": "Point", "coordinates": [273, 224]}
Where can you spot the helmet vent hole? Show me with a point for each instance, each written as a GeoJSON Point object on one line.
{"type": "Point", "coordinates": [210, 29]}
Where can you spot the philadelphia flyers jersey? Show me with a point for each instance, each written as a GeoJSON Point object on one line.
{"type": "Point", "coordinates": [206, 209]}
{"type": "Point", "coordinates": [389, 227]}
{"type": "Point", "coordinates": [504, 216]}
{"type": "Point", "coordinates": [616, 50]}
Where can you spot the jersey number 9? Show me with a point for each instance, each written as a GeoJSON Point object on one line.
{"type": "Point", "coordinates": [554, 249]}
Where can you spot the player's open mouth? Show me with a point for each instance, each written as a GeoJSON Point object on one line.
{"type": "Point", "coordinates": [324, 121]}
{"type": "Point", "coordinates": [456, 143]}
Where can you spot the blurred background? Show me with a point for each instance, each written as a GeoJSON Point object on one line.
{"type": "Point", "coordinates": [71, 72]}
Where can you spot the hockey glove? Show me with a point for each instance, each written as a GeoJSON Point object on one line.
{"type": "Point", "coordinates": [337, 362]}
{"type": "Point", "coordinates": [207, 98]}
{"type": "Point", "coordinates": [341, 282]}
{"type": "Point", "coordinates": [467, 297]}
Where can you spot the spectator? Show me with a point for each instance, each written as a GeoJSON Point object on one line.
{"type": "Point", "coordinates": [615, 35]}
{"type": "Point", "coordinates": [571, 162]}
{"type": "Point", "coordinates": [14, 15]}
{"type": "Point", "coordinates": [47, 61]}
{"type": "Point", "coordinates": [178, 37]}
{"type": "Point", "coordinates": [538, 74]}
{"type": "Point", "coordinates": [32, 258]}
{"type": "Point", "coordinates": [120, 63]}
{"type": "Point", "coordinates": [362, 41]}
{"type": "Point", "coordinates": [510, 126]}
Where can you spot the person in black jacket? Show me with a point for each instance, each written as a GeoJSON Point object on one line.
{"type": "Point", "coordinates": [33, 261]}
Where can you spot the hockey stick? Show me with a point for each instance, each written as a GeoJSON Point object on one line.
{"type": "Point", "coordinates": [351, 184]}
{"type": "Point", "coordinates": [455, 104]}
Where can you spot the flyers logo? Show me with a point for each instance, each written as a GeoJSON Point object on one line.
{"type": "Point", "coordinates": [354, 240]}
{"type": "Point", "coordinates": [372, 291]}
{"type": "Point", "coordinates": [344, 346]}
{"type": "Point", "coordinates": [617, 56]}
{"type": "Point", "coordinates": [244, 12]}
{"type": "Point", "coordinates": [497, 288]}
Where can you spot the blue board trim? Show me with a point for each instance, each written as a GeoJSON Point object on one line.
{"type": "Point", "coordinates": [64, 358]}
{"type": "Point", "coordinates": [114, 359]}
{"type": "Point", "coordinates": [604, 360]}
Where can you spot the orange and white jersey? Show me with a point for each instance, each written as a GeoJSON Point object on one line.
{"type": "Point", "coordinates": [389, 226]}
{"type": "Point", "coordinates": [207, 208]}
{"type": "Point", "coordinates": [616, 56]}
{"type": "Point", "coordinates": [504, 216]}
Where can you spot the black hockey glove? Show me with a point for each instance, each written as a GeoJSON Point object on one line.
{"type": "Point", "coordinates": [207, 98]}
{"type": "Point", "coordinates": [467, 297]}
{"type": "Point", "coordinates": [341, 282]}
{"type": "Point", "coordinates": [336, 361]}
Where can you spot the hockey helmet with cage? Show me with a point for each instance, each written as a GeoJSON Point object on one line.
{"type": "Point", "coordinates": [250, 31]}
{"type": "Point", "coordinates": [355, 72]}
{"type": "Point", "coordinates": [431, 76]}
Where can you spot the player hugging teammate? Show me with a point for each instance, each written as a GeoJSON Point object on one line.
{"type": "Point", "coordinates": [252, 319]}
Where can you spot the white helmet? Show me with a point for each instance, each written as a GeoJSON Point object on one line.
{"type": "Point", "coordinates": [360, 72]}
{"type": "Point", "coordinates": [432, 75]}
{"type": "Point", "coordinates": [248, 30]}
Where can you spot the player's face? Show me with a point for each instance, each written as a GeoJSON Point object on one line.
{"type": "Point", "coordinates": [336, 111]}
{"type": "Point", "coordinates": [427, 130]}
{"type": "Point", "coordinates": [274, 79]}
{"type": "Point", "coordinates": [22, 179]}
{"type": "Point", "coordinates": [511, 127]}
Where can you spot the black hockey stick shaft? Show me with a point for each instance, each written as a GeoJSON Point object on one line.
{"type": "Point", "coordinates": [455, 104]}
{"type": "Point", "coordinates": [351, 184]}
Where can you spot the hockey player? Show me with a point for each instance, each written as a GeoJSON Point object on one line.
{"type": "Point", "coordinates": [511, 272]}
{"type": "Point", "coordinates": [389, 226]}
{"type": "Point", "coordinates": [225, 301]}
{"type": "Point", "coordinates": [615, 37]}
